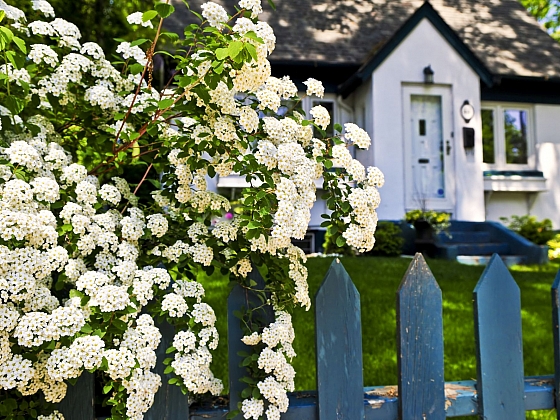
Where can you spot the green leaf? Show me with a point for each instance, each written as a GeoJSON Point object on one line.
{"type": "Point", "coordinates": [171, 35]}
{"type": "Point", "coordinates": [246, 393]}
{"type": "Point", "coordinates": [252, 35]}
{"type": "Point", "coordinates": [340, 241]}
{"type": "Point", "coordinates": [271, 4]}
{"type": "Point", "coordinates": [76, 293]}
{"type": "Point", "coordinates": [164, 10]}
{"type": "Point", "coordinates": [252, 51]}
{"type": "Point", "coordinates": [173, 381]}
{"type": "Point", "coordinates": [20, 44]}
{"type": "Point", "coordinates": [165, 103]}
{"type": "Point", "coordinates": [6, 35]}
{"type": "Point", "coordinates": [121, 325]}
{"type": "Point", "coordinates": [2, 15]}
{"type": "Point", "coordinates": [138, 42]}
{"type": "Point", "coordinates": [11, 55]}
{"type": "Point", "coordinates": [328, 164]}
{"type": "Point", "coordinates": [232, 414]}
{"type": "Point", "coordinates": [256, 394]}
{"type": "Point", "coordinates": [170, 350]}
{"type": "Point", "coordinates": [108, 388]}
{"type": "Point", "coordinates": [86, 329]}
{"type": "Point", "coordinates": [136, 68]}
{"type": "Point", "coordinates": [235, 48]}
{"type": "Point", "coordinates": [149, 15]}
{"type": "Point", "coordinates": [338, 128]}
{"type": "Point", "coordinates": [221, 53]}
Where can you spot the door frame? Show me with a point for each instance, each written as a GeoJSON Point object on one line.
{"type": "Point", "coordinates": [411, 202]}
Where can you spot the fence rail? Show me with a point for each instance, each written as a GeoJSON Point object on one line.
{"type": "Point", "coordinates": [501, 391]}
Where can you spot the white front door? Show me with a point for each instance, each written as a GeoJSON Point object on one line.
{"type": "Point", "coordinates": [429, 175]}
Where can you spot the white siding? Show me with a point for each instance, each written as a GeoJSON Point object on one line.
{"type": "Point", "coordinates": [422, 47]}
{"type": "Point", "coordinates": [547, 148]}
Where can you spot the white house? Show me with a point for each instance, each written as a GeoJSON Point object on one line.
{"type": "Point", "coordinates": [460, 97]}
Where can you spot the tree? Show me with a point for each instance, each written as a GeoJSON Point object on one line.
{"type": "Point", "coordinates": [548, 14]}
{"type": "Point", "coordinates": [100, 21]}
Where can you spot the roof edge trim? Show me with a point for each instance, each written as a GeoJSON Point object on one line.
{"type": "Point", "coordinates": [426, 11]}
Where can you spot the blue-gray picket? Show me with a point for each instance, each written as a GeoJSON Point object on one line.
{"type": "Point", "coordinates": [339, 347]}
{"type": "Point", "coordinates": [499, 347]}
{"type": "Point", "coordinates": [79, 401]}
{"type": "Point", "coordinates": [241, 298]}
{"type": "Point", "coordinates": [501, 391]}
{"type": "Point", "coordinates": [420, 344]}
{"type": "Point", "coordinates": [169, 401]}
{"type": "Point", "coordinates": [556, 337]}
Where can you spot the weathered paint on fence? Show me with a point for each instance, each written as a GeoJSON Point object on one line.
{"type": "Point", "coordinates": [339, 347]}
{"type": "Point", "coordinates": [381, 402]}
{"type": "Point", "coordinates": [420, 344]}
{"type": "Point", "coordinates": [79, 401]}
{"type": "Point", "coordinates": [240, 298]}
{"type": "Point", "coordinates": [169, 402]}
{"type": "Point", "coordinates": [498, 335]}
{"type": "Point", "coordinates": [499, 346]}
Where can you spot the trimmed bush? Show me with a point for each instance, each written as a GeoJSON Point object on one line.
{"type": "Point", "coordinates": [388, 240]}
{"type": "Point", "coordinates": [538, 232]}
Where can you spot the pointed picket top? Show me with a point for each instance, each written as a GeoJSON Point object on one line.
{"type": "Point", "coordinates": [499, 347]}
{"type": "Point", "coordinates": [420, 344]}
{"type": "Point", "coordinates": [556, 331]}
{"type": "Point", "coordinates": [339, 347]}
{"type": "Point", "coordinates": [238, 299]}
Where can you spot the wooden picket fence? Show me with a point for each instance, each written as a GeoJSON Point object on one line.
{"type": "Point", "coordinates": [501, 391]}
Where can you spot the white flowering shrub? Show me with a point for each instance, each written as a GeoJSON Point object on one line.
{"type": "Point", "coordinates": [87, 269]}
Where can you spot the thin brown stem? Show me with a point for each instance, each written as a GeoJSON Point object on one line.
{"type": "Point", "coordinates": [143, 179]}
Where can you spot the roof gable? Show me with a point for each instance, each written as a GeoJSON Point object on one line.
{"type": "Point", "coordinates": [426, 11]}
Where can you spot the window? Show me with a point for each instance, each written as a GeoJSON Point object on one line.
{"type": "Point", "coordinates": [506, 136]}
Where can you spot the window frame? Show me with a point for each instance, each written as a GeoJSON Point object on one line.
{"type": "Point", "coordinates": [500, 158]}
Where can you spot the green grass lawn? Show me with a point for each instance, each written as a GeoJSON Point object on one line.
{"type": "Point", "coordinates": [377, 280]}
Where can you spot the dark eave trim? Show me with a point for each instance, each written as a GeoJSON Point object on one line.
{"type": "Point", "coordinates": [331, 74]}
{"type": "Point", "coordinates": [535, 90]}
{"type": "Point", "coordinates": [426, 11]}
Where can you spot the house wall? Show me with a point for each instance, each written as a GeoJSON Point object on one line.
{"type": "Point", "coordinates": [545, 204]}
{"type": "Point", "coordinates": [404, 66]}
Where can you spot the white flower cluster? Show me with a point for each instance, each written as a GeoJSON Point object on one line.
{"type": "Point", "coordinates": [360, 233]}
{"type": "Point", "coordinates": [214, 14]}
{"type": "Point", "coordinates": [136, 18]}
{"type": "Point", "coordinates": [33, 316]}
{"type": "Point", "coordinates": [278, 337]}
{"type": "Point", "coordinates": [193, 357]}
{"type": "Point", "coordinates": [135, 52]}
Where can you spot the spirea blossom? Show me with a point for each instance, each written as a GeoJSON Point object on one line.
{"type": "Point", "coordinates": [357, 135]}
{"type": "Point", "coordinates": [314, 87]}
{"type": "Point", "coordinates": [214, 14]}
{"type": "Point", "coordinates": [136, 18]}
{"type": "Point", "coordinates": [44, 7]}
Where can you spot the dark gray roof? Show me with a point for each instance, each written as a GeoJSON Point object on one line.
{"type": "Point", "coordinates": [501, 33]}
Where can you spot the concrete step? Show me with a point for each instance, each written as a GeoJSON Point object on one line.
{"type": "Point", "coordinates": [508, 260]}
{"type": "Point", "coordinates": [488, 248]}
{"type": "Point", "coordinates": [465, 237]}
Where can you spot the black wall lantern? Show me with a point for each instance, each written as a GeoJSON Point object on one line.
{"type": "Point", "coordinates": [428, 75]}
